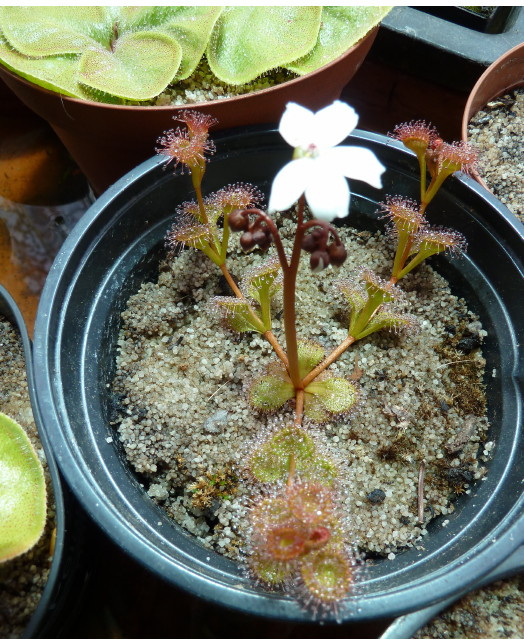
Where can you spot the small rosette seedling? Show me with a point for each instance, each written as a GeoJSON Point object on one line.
{"type": "Point", "coordinates": [298, 541]}
{"type": "Point", "coordinates": [324, 397]}
{"type": "Point", "coordinates": [269, 459]}
{"type": "Point", "coordinates": [22, 491]}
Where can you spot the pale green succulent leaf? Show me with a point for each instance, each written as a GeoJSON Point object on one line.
{"type": "Point", "coordinates": [57, 73]}
{"type": "Point", "coordinates": [248, 41]}
{"type": "Point", "coordinates": [270, 461]}
{"type": "Point", "coordinates": [270, 392]}
{"type": "Point", "coordinates": [22, 491]}
{"type": "Point", "coordinates": [341, 28]}
{"type": "Point", "coordinates": [42, 31]}
{"type": "Point", "coordinates": [190, 26]}
{"type": "Point", "coordinates": [121, 72]}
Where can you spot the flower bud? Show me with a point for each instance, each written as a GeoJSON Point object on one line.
{"type": "Point", "coordinates": [246, 241]}
{"type": "Point", "coordinates": [262, 237]}
{"type": "Point", "coordinates": [337, 254]}
{"type": "Point", "coordinates": [319, 260]}
{"type": "Point", "coordinates": [311, 241]}
{"type": "Point", "coordinates": [237, 220]}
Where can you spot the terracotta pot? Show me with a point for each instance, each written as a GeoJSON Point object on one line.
{"type": "Point", "coordinates": [505, 74]}
{"type": "Point", "coordinates": [107, 141]}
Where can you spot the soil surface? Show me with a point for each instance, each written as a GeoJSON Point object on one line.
{"type": "Point", "coordinates": [498, 133]}
{"type": "Point", "coordinates": [183, 417]}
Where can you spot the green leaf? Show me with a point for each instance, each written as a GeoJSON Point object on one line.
{"type": "Point", "coordinates": [309, 355]}
{"type": "Point", "coordinates": [387, 319]}
{"type": "Point", "coordinates": [238, 314]}
{"type": "Point", "coordinates": [46, 31]}
{"type": "Point", "coordinates": [270, 392]}
{"type": "Point", "coordinates": [22, 491]}
{"type": "Point", "coordinates": [264, 281]}
{"type": "Point", "coordinates": [191, 27]}
{"type": "Point", "coordinates": [56, 74]}
{"type": "Point", "coordinates": [248, 41]}
{"type": "Point", "coordinates": [121, 72]}
{"type": "Point", "coordinates": [328, 397]}
{"type": "Point", "coordinates": [341, 28]}
{"type": "Point", "coordinates": [270, 461]}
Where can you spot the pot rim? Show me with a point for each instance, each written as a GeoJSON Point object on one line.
{"type": "Point", "coordinates": [508, 533]}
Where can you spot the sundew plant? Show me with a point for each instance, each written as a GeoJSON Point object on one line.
{"type": "Point", "coordinates": [298, 538]}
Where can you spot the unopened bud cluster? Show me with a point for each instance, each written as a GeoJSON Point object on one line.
{"type": "Point", "coordinates": [256, 231]}
{"type": "Point", "coordinates": [322, 253]}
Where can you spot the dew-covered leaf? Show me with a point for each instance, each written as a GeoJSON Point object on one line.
{"type": "Point", "coordinates": [309, 355]}
{"type": "Point", "coordinates": [328, 397]}
{"type": "Point", "coordinates": [270, 392]}
{"type": "Point", "coordinates": [270, 461]}
{"type": "Point", "coordinates": [264, 281]}
{"type": "Point", "coordinates": [120, 72]}
{"type": "Point", "coordinates": [341, 28]}
{"type": "Point", "coordinates": [237, 314]}
{"type": "Point", "coordinates": [22, 491]}
{"type": "Point", "coordinates": [248, 41]}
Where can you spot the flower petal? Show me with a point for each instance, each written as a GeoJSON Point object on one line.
{"type": "Point", "coordinates": [289, 184]}
{"type": "Point", "coordinates": [295, 125]}
{"type": "Point", "coordinates": [327, 194]}
{"type": "Point", "coordinates": [355, 162]}
{"type": "Point", "coordinates": [332, 124]}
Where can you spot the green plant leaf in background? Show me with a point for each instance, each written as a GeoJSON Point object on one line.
{"type": "Point", "coordinates": [341, 28]}
{"type": "Point", "coordinates": [22, 491]}
{"type": "Point", "coordinates": [119, 71]}
{"type": "Point", "coordinates": [48, 31]}
{"type": "Point", "coordinates": [114, 54]}
{"type": "Point", "coordinates": [56, 73]}
{"type": "Point", "coordinates": [248, 41]}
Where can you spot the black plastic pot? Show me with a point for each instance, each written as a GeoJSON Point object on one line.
{"type": "Point", "coordinates": [55, 603]}
{"type": "Point", "coordinates": [117, 245]}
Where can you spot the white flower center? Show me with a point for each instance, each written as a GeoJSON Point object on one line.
{"type": "Point", "coordinates": [311, 151]}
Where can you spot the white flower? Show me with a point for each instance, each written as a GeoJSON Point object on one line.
{"type": "Point", "coordinates": [319, 168]}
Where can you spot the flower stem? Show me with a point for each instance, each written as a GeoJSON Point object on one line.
{"type": "Point", "coordinates": [290, 278]}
